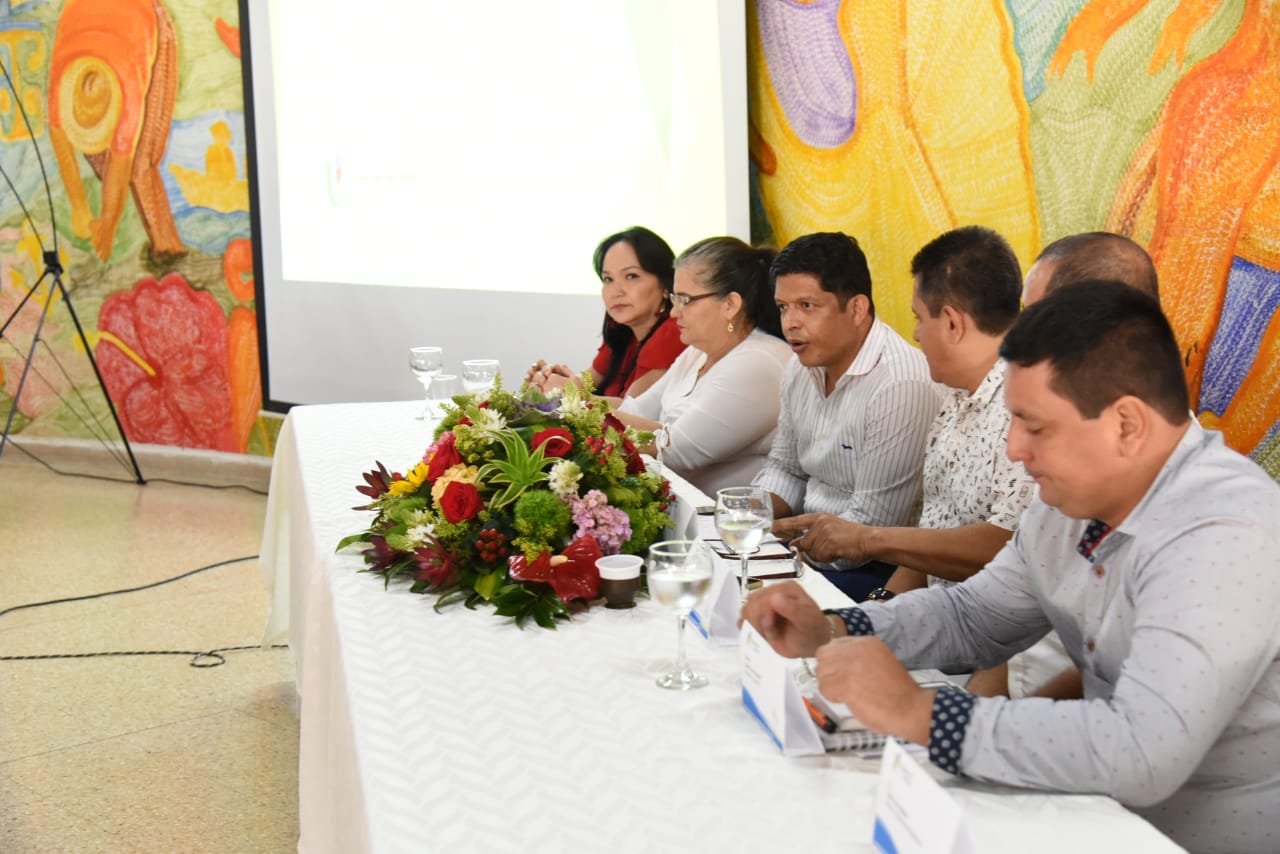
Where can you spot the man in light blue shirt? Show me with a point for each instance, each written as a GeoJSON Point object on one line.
{"type": "Point", "coordinates": [1154, 552]}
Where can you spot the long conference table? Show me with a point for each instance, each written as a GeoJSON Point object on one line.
{"type": "Point", "coordinates": [456, 731]}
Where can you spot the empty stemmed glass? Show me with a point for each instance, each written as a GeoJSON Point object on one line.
{"type": "Point", "coordinates": [679, 577]}
{"type": "Point", "coordinates": [479, 375]}
{"type": "Point", "coordinates": [743, 515]}
{"type": "Point", "coordinates": [426, 363]}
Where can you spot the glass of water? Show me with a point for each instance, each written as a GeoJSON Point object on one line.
{"type": "Point", "coordinates": [426, 363]}
{"type": "Point", "coordinates": [679, 577]}
{"type": "Point", "coordinates": [442, 390]}
{"type": "Point", "coordinates": [479, 375]}
{"type": "Point", "coordinates": [743, 515]}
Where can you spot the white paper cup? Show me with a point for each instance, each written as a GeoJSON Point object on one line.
{"type": "Point", "coordinates": [619, 567]}
{"type": "Point", "coordinates": [619, 579]}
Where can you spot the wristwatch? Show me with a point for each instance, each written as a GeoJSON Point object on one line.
{"type": "Point", "coordinates": [880, 595]}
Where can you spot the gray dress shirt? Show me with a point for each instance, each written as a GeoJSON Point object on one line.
{"type": "Point", "coordinates": [1174, 622]}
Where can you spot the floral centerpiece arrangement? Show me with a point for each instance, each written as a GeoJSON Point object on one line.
{"type": "Point", "coordinates": [512, 504]}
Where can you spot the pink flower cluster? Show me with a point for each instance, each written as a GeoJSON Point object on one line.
{"type": "Point", "coordinates": [608, 526]}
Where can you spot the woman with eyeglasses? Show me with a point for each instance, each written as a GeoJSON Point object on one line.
{"type": "Point", "coordinates": [640, 340]}
{"type": "Point", "coordinates": [715, 409]}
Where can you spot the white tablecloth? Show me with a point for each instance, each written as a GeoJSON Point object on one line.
{"type": "Point", "coordinates": [456, 731]}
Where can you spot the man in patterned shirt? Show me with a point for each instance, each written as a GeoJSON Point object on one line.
{"type": "Point", "coordinates": [968, 289]}
{"type": "Point", "coordinates": [856, 402]}
{"type": "Point", "coordinates": [1153, 550]}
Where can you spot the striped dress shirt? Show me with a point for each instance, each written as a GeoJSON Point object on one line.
{"type": "Point", "coordinates": [856, 453]}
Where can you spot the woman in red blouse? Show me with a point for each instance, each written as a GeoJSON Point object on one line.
{"type": "Point", "coordinates": [640, 340]}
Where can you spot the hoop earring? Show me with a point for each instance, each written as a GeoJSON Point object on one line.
{"type": "Point", "coordinates": [730, 325]}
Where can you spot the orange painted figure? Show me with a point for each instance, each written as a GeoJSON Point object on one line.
{"type": "Point", "coordinates": [113, 77]}
{"type": "Point", "coordinates": [1204, 190]}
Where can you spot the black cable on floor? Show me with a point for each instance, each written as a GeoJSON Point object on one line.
{"type": "Point", "coordinates": [201, 659]}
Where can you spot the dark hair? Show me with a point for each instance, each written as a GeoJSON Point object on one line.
{"type": "Point", "coordinates": [656, 258]}
{"type": "Point", "coordinates": [834, 258]}
{"type": "Point", "coordinates": [974, 269]}
{"type": "Point", "coordinates": [1100, 255]}
{"type": "Point", "coordinates": [1102, 339]}
{"type": "Point", "coordinates": [725, 265]}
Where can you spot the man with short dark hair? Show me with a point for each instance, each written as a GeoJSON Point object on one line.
{"type": "Point", "coordinates": [1154, 552]}
{"type": "Point", "coordinates": [968, 289]}
{"type": "Point", "coordinates": [856, 402]}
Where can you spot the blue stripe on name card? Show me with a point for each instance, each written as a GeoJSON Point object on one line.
{"type": "Point", "coordinates": [697, 624]}
{"type": "Point", "coordinates": [882, 840]}
{"type": "Point", "coordinates": [755, 713]}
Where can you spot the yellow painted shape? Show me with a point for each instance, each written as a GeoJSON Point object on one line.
{"type": "Point", "coordinates": [28, 51]}
{"type": "Point", "coordinates": [217, 188]}
{"type": "Point", "coordinates": [95, 337]}
{"type": "Point", "coordinates": [90, 103]}
{"type": "Point", "coordinates": [941, 141]}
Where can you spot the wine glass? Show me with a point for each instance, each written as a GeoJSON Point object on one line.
{"type": "Point", "coordinates": [679, 577]}
{"type": "Point", "coordinates": [743, 514]}
{"type": "Point", "coordinates": [478, 375]}
{"type": "Point", "coordinates": [426, 362]}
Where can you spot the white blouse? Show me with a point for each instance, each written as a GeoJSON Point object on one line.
{"type": "Point", "coordinates": [719, 426]}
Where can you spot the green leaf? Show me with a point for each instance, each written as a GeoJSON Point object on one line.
{"type": "Point", "coordinates": [521, 469]}
{"type": "Point", "coordinates": [362, 537]}
{"type": "Point", "coordinates": [487, 585]}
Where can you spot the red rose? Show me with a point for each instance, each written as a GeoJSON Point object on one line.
{"type": "Point", "coordinates": [443, 457]}
{"type": "Point", "coordinates": [557, 440]}
{"type": "Point", "coordinates": [460, 502]}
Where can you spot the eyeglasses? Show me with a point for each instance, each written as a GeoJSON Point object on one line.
{"type": "Point", "coordinates": [682, 300]}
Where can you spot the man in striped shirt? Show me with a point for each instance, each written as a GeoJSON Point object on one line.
{"type": "Point", "coordinates": [857, 402]}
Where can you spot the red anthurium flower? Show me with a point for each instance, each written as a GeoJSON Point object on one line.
{"type": "Point", "coordinates": [572, 574]}
{"type": "Point", "coordinates": [170, 379]}
{"type": "Point", "coordinates": [460, 501]}
{"type": "Point", "coordinates": [554, 441]}
{"type": "Point", "coordinates": [442, 457]}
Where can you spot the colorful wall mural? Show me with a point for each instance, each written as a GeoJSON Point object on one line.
{"type": "Point", "coordinates": [137, 108]}
{"type": "Point", "coordinates": [895, 121]}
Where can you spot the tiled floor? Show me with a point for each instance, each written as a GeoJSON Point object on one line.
{"type": "Point", "coordinates": [139, 754]}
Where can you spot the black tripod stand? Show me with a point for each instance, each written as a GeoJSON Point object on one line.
{"type": "Point", "coordinates": [53, 274]}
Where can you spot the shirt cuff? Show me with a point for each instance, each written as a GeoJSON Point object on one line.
{"type": "Point", "coordinates": [856, 622]}
{"type": "Point", "coordinates": [952, 711]}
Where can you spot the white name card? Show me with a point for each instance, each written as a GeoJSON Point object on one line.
{"type": "Point", "coordinates": [914, 814]}
{"type": "Point", "coordinates": [717, 617]}
{"type": "Point", "coordinates": [771, 696]}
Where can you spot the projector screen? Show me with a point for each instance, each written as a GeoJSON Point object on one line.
{"type": "Point", "coordinates": [431, 173]}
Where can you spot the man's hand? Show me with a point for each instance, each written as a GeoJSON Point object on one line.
{"type": "Point", "coordinates": [788, 618]}
{"type": "Point", "coordinates": [823, 537]}
{"type": "Point", "coordinates": [863, 674]}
